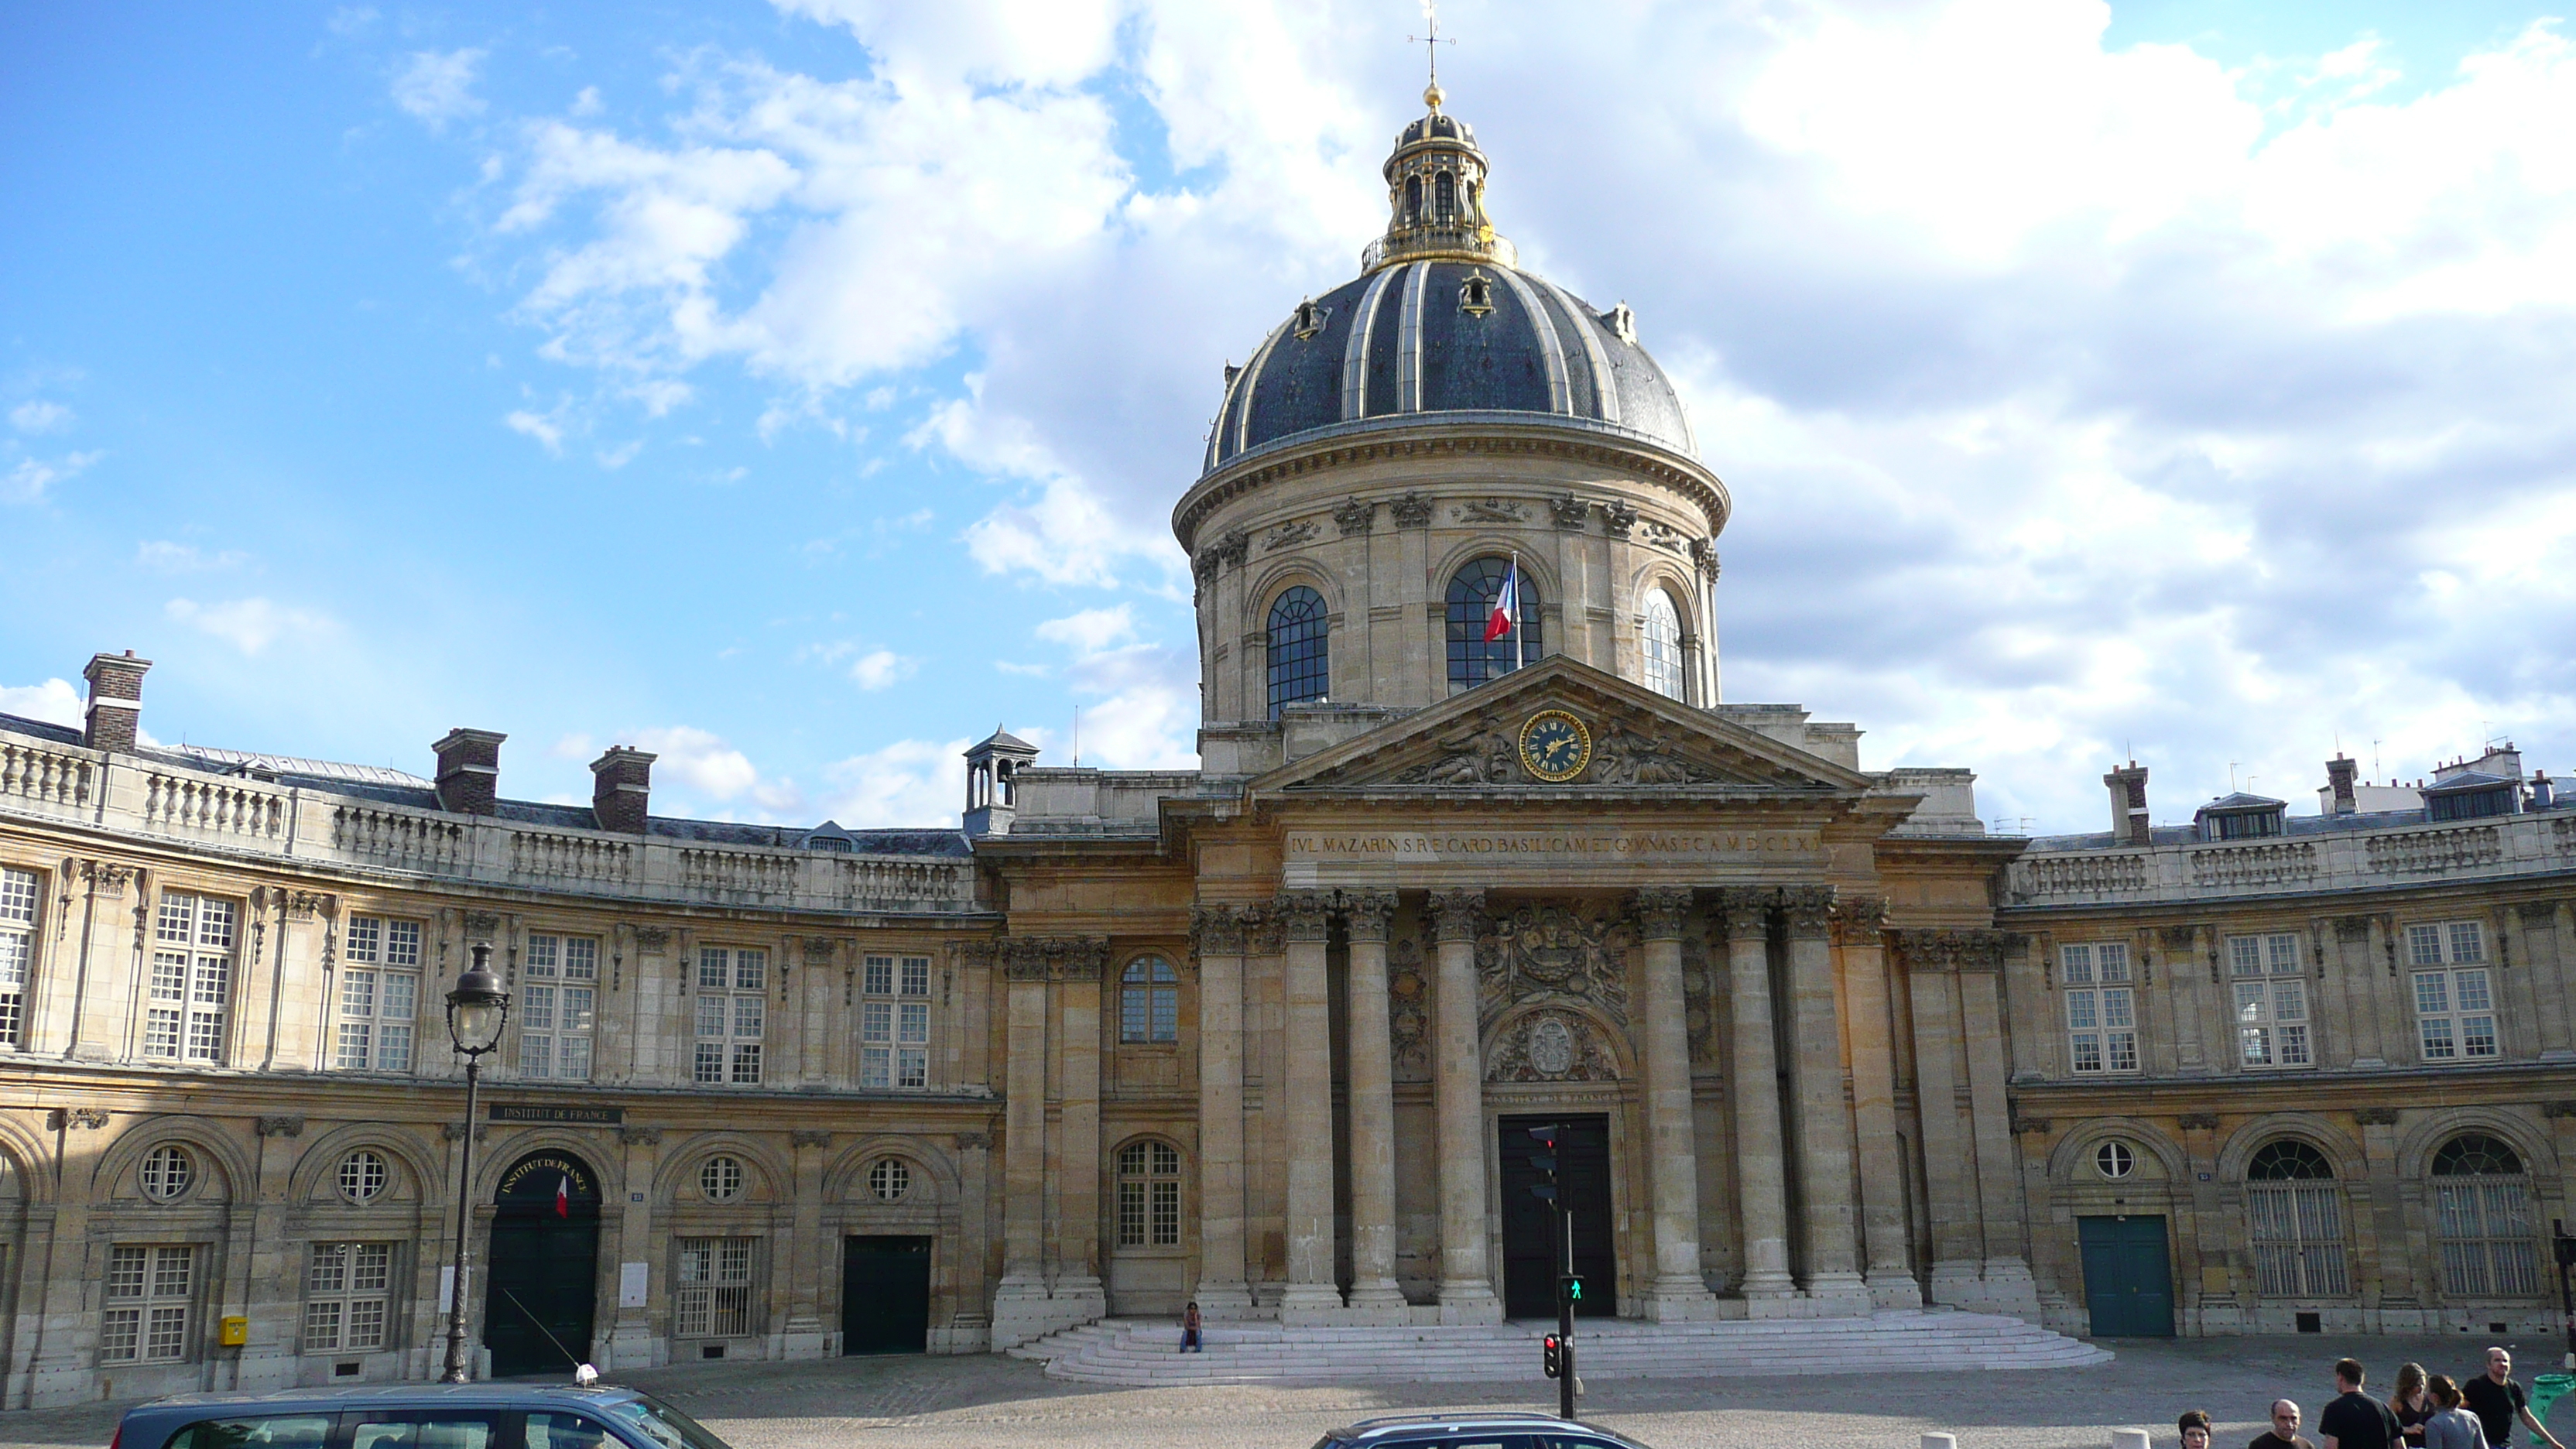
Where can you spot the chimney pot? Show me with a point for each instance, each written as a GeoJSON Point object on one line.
{"type": "Point", "coordinates": [469, 771]}
{"type": "Point", "coordinates": [2340, 775]}
{"type": "Point", "coordinates": [2129, 822]}
{"type": "Point", "coordinates": [621, 789]}
{"type": "Point", "coordinates": [115, 701]}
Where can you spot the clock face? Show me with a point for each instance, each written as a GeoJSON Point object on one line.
{"type": "Point", "coordinates": [1555, 746]}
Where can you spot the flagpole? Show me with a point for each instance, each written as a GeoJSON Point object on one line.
{"type": "Point", "coordinates": [1520, 648]}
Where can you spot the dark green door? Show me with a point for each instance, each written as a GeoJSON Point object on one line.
{"type": "Point", "coordinates": [542, 1274]}
{"type": "Point", "coordinates": [885, 1295]}
{"type": "Point", "coordinates": [2128, 1280]}
{"type": "Point", "coordinates": [1531, 1249]}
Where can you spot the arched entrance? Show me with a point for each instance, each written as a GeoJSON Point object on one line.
{"type": "Point", "coordinates": [542, 1274]}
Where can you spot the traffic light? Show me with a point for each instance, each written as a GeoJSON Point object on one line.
{"type": "Point", "coordinates": [1552, 1355]}
{"type": "Point", "coordinates": [1569, 1287]}
{"type": "Point", "coordinates": [1544, 1162]}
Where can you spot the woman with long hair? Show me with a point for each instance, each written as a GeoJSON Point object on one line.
{"type": "Point", "coordinates": [2411, 1404]}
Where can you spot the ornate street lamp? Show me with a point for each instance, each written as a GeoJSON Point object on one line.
{"type": "Point", "coordinates": [475, 1011]}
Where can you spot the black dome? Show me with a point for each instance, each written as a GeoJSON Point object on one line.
{"type": "Point", "coordinates": [1417, 338]}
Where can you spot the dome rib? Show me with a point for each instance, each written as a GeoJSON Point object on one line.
{"type": "Point", "coordinates": [1408, 340]}
{"type": "Point", "coordinates": [1355, 355]}
{"type": "Point", "coordinates": [1605, 388]}
{"type": "Point", "coordinates": [1560, 399]}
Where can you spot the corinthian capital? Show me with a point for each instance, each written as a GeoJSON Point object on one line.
{"type": "Point", "coordinates": [1305, 915]}
{"type": "Point", "coordinates": [1217, 930]}
{"type": "Point", "coordinates": [1368, 913]}
{"type": "Point", "coordinates": [1661, 912]}
{"type": "Point", "coordinates": [1859, 919]}
{"type": "Point", "coordinates": [1810, 909]}
{"type": "Point", "coordinates": [1744, 912]}
{"type": "Point", "coordinates": [1457, 915]}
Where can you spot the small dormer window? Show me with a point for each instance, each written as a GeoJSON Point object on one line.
{"type": "Point", "coordinates": [1622, 323]}
{"type": "Point", "coordinates": [1476, 298]}
{"type": "Point", "coordinates": [1445, 190]}
{"type": "Point", "coordinates": [1231, 373]}
{"type": "Point", "coordinates": [1310, 319]}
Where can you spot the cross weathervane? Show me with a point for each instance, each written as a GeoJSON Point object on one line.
{"type": "Point", "coordinates": [1432, 41]}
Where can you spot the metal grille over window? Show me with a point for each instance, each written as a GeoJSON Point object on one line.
{"type": "Point", "coordinates": [894, 1022]}
{"type": "Point", "coordinates": [2296, 1213]}
{"type": "Point", "coordinates": [379, 994]}
{"type": "Point", "coordinates": [2101, 1007]}
{"type": "Point", "coordinates": [890, 1178]}
{"type": "Point", "coordinates": [1472, 658]}
{"type": "Point", "coordinates": [1659, 638]}
{"type": "Point", "coordinates": [1300, 649]}
{"type": "Point", "coordinates": [1149, 1002]}
{"type": "Point", "coordinates": [2484, 1202]}
{"type": "Point", "coordinates": [2454, 1002]}
{"type": "Point", "coordinates": [733, 1008]}
{"type": "Point", "coordinates": [167, 1173]}
{"type": "Point", "coordinates": [558, 998]}
{"type": "Point", "coordinates": [714, 1295]}
{"type": "Point", "coordinates": [721, 1179]}
{"type": "Point", "coordinates": [2271, 1000]}
{"type": "Point", "coordinates": [346, 1289]}
{"type": "Point", "coordinates": [363, 1175]}
{"type": "Point", "coordinates": [192, 979]}
{"type": "Point", "coordinates": [17, 950]}
{"type": "Point", "coordinates": [149, 1293]}
{"type": "Point", "coordinates": [1149, 1195]}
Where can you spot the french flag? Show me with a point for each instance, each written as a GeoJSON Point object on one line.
{"type": "Point", "coordinates": [563, 1196]}
{"type": "Point", "coordinates": [1507, 605]}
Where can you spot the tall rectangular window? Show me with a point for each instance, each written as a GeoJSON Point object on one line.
{"type": "Point", "coordinates": [2298, 1239]}
{"type": "Point", "coordinates": [379, 994]}
{"type": "Point", "coordinates": [559, 991]}
{"type": "Point", "coordinates": [894, 1022]}
{"type": "Point", "coordinates": [713, 1299]}
{"type": "Point", "coordinates": [2271, 1000]}
{"type": "Point", "coordinates": [2101, 1007]}
{"type": "Point", "coordinates": [733, 1011]}
{"type": "Point", "coordinates": [2455, 1017]}
{"type": "Point", "coordinates": [192, 978]}
{"type": "Point", "coordinates": [149, 1293]}
{"type": "Point", "coordinates": [17, 951]}
{"type": "Point", "coordinates": [347, 1287]}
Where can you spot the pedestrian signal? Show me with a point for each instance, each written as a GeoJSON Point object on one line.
{"type": "Point", "coordinates": [1569, 1288]}
{"type": "Point", "coordinates": [1552, 1354]}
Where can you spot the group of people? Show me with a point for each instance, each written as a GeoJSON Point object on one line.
{"type": "Point", "coordinates": [2425, 1413]}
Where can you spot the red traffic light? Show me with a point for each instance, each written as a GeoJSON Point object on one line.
{"type": "Point", "coordinates": [1552, 1355]}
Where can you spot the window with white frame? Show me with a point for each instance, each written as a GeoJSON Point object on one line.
{"type": "Point", "coordinates": [558, 996]}
{"type": "Point", "coordinates": [2295, 1209]}
{"type": "Point", "coordinates": [1149, 1195]}
{"type": "Point", "coordinates": [347, 1287]}
{"type": "Point", "coordinates": [2101, 1007]}
{"type": "Point", "coordinates": [149, 1293]}
{"type": "Point", "coordinates": [2455, 1017]}
{"type": "Point", "coordinates": [1149, 1001]}
{"type": "Point", "coordinates": [733, 1011]}
{"type": "Point", "coordinates": [379, 994]}
{"type": "Point", "coordinates": [17, 951]}
{"type": "Point", "coordinates": [2271, 1000]}
{"type": "Point", "coordinates": [894, 1021]}
{"type": "Point", "coordinates": [2484, 1225]}
{"type": "Point", "coordinates": [1659, 639]}
{"type": "Point", "coordinates": [192, 978]}
{"type": "Point", "coordinates": [713, 1295]}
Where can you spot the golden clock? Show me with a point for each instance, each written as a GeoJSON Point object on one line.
{"type": "Point", "coordinates": [1555, 746]}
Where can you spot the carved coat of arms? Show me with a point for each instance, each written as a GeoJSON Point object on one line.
{"type": "Point", "coordinates": [1554, 951]}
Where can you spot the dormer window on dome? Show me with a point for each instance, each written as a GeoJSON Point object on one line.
{"type": "Point", "coordinates": [1476, 294]}
{"type": "Point", "coordinates": [1310, 319]}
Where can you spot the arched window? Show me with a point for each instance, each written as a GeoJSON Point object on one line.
{"type": "Point", "coordinates": [1446, 192]}
{"type": "Point", "coordinates": [1472, 591]}
{"type": "Point", "coordinates": [2484, 1203]}
{"type": "Point", "coordinates": [2296, 1212]}
{"type": "Point", "coordinates": [1300, 652]}
{"type": "Point", "coordinates": [1149, 1195]}
{"type": "Point", "coordinates": [1149, 1001]}
{"type": "Point", "coordinates": [1413, 201]}
{"type": "Point", "coordinates": [1660, 637]}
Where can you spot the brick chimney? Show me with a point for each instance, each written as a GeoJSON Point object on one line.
{"type": "Point", "coordinates": [2339, 778]}
{"type": "Point", "coordinates": [621, 786]}
{"type": "Point", "coordinates": [2128, 804]}
{"type": "Point", "coordinates": [115, 700]}
{"type": "Point", "coordinates": [469, 771]}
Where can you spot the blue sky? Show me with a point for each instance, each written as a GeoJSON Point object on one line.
{"type": "Point", "coordinates": [801, 389]}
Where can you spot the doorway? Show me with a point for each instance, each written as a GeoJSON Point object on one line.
{"type": "Point", "coordinates": [541, 1285]}
{"type": "Point", "coordinates": [1530, 1231]}
{"type": "Point", "coordinates": [885, 1295]}
{"type": "Point", "coordinates": [2128, 1279]}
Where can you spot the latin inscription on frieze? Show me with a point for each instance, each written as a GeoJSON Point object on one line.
{"type": "Point", "coordinates": [1545, 847]}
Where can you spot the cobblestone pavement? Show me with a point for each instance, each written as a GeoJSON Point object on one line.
{"type": "Point", "coordinates": [992, 1402]}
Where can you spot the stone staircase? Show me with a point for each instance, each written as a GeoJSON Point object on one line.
{"type": "Point", "coordinates": [1139, 1351]}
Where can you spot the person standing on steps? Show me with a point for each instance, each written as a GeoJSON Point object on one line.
{"type": "Point", "coordinates": [2451, 1426]}
{"type": "Point", "coordinates": [2411, 1404]}
{"type": "Point", "coordinates": [2497, 1401]}
{"type": "Point", "coordinates": [1190, 1329]}
{"type": "Point", "coordinates": [2355, 1420]}
{"type": "Point", "coordinates": [2194, 1426]}
{"type": "Point", "coordinates": [2284, 1433]}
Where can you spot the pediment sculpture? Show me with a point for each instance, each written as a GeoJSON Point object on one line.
{"type": "Point", "coordinates": [1552, 1046]}
{"type": "Point", "coordinates": [1542, 951]}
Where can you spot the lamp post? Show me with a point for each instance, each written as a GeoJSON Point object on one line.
{"type": "Point", "coordinates": [475, 1011]}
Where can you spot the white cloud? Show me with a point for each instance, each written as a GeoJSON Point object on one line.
{"type": "Point", "coordinates": [438, 87]}
{"type": "Point", "coordinates": [28, 478]}
{"type": "Point", "coordinates": [879, 668]}
{"type": "Point", "coordinates": [1092, 630]}
{"type": "Point", "coordinates": [909, 782]}
{"type": "Point", "coordinates": [700, 762]}
{"type": "Point", "coordinates": [164, 556]}
{"type": "Point", "coordinates": [588, 103]}
{"type": "Point", "coordinates": [546, 428]}
{"type": "Point", "coordinates": [40, 416]}
{"type": "Point", "coordinates": [252, 624]}
{"type": "Point", "coordinates": [55, 701]}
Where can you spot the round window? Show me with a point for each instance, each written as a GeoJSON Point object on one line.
{"type": "Point", "coordinates": [890, 1179]}
{"type": "Point", "coordinates": [721, 1179]}
{"type": "Point", "coordinates": [2114, 1160]}
{"type": "Point", "coordinates": [167, 1173]}
{"type": "Point", "coordinates": [363, 1176]}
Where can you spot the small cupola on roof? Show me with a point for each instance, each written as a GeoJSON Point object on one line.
{"type": "Point", "coordinates": [1435, 192]}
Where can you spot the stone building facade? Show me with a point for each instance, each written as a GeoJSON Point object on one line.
{"type": "Point", "coordinates": [1269, 1034]}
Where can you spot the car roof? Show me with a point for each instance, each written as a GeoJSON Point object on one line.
{"type": "Point", "coordinates": [1431, 1421]}
{"type": "Point", "coordinates": [391, 1396]}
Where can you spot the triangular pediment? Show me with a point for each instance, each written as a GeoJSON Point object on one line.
{"type": "Point", "coordinates": [1632, 739]}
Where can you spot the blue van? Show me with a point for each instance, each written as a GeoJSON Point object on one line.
{"type": "Point", "coordinates": [415, 1416]}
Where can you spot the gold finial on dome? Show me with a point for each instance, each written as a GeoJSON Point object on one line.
{"type": "Point", "coordinates": [1432, 95]}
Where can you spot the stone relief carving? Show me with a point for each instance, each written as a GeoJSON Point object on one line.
{"type": "Point", "coordinates": [1950, 950]}
{"type": "Point", "coordinates": [1618, 519]}
{"type": "Point", "coordinates": [1355, 517]}
{"type": "Point", "coordinates": [634, 1136]}
{"type": "Point", "coordinates": [651, 938]}
{"type": "Point", "coordinates": [1305, 915]}
{"type": "Point", "coordinates": [1054, 958]}
{"type": "Point", "coordinates": [1699, 998]}
{"type": "Point", "coordinates": [809, 1137]}
{"type": "Point", "coordinates": [818, 948]}
{"type": "Point", "coordinates": [1552, 1046]}
{"type": "Point", "coordinates": [1411, 511]}
{"type": "Point", "coordinates": [1622, 756]}
{"type": "Point", "coordinates": [305, 905]}
{"type": "Point", "coordinates": [284, 1125]}
{"type": "Point", "coordinates": [1551, 951]}
{"type": "Point", "coordinates": [1486, 757]}
{"type": "Point", "coordinates": [1492, 510]}
{"type": "Point", "coordinates": [1216, 930]}
{"type": "Point", "coordinates": [1408, 1009]}
{"type": "Point", "coordinates": [1703, 553]}
{"type": "Point", "coordinates": [1289, 535]}
{"type": "Point", "coordinates": [485, 924]}
{"type": "Point", "coordinates": [1569, 511]}
{"type": "Point", "coordinates": [1664, 535]}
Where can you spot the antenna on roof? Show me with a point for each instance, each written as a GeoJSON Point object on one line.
{"type": "Point", "coordinates": [1077, 736]}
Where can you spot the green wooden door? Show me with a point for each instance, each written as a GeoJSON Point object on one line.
{"type": "Point", "coordinates": [885, 1295]}
{"type": "Point", "coordinates": [542, 1284]}
{"type": "Point", "coordinates": [2128, 1278]}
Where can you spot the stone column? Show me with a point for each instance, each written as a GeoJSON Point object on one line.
{"type": "Point", "coordinates": [1676, 1290]}
{"type": "Point", "coordinates": [1311, 1295]}
{"type": "Point", "coordinates": [1466, 1283]}
{"type": "Point", "coordinates": [1222, 1289]}
{"type": "Point", "coordinates": [2009, 1288]}
{"type": "Point", "coordinates": [1371, 1072]}
{"type": "Point", "coordinates": [1885, 1228]}
{"type": "Point", "coordinates": [1020, 1297]}
{"type": "Point", "coordinates": [1075, 1164]}
{"type": "Point", "coordinates": [630, 1338]}
{"type": "Point", "coordinates": [1823, 1120]}
{"type": "Point", "coordinates": [1949, 1157]}
{"type": "Point", "coordinates": [814, 1263]}
{"type": "Point", "coordinates": [2386, 1267]}
{"type": "Point", "coordinates": [1762, 1187]}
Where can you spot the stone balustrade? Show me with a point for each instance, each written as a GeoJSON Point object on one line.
{"type": "Point", "coordinates": [2340, 860]}
{"type": "Point", "coordinates": [154, 801]}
